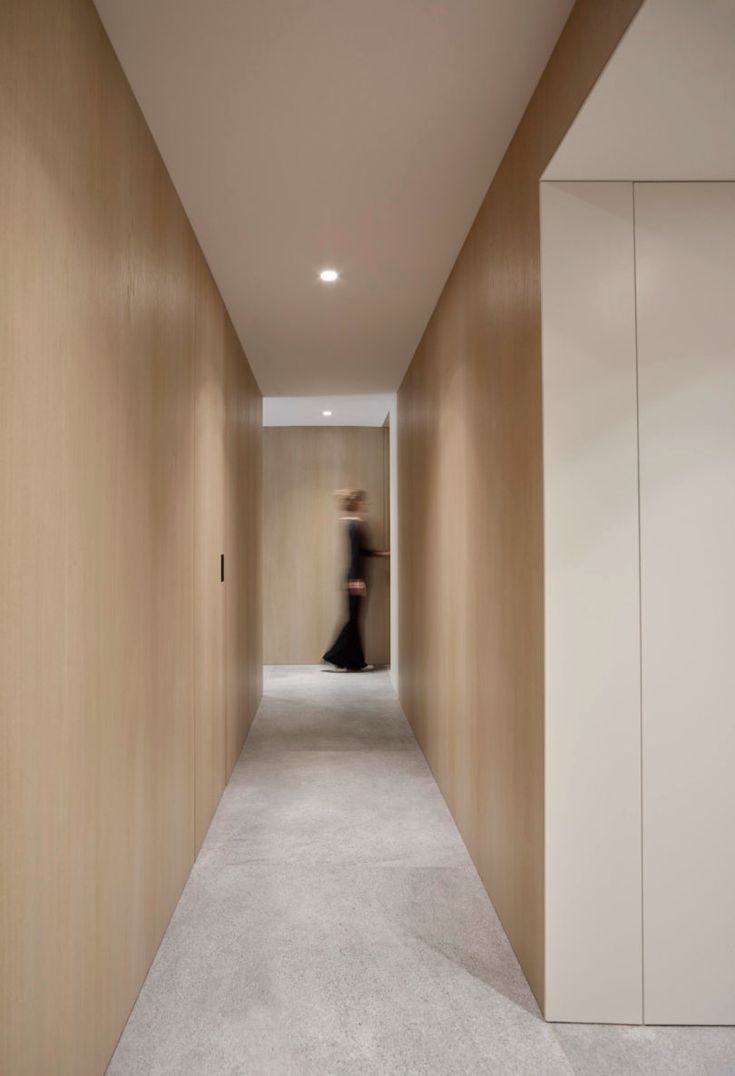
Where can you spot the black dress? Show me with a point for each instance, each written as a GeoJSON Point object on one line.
{"type": "Point", "coordinates": [347, 652]}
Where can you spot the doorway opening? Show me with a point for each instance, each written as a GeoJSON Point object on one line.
{"type": "Point", "coordinates": [312, 448]}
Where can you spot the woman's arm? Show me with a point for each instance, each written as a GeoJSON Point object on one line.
{"type": "Point", "coordinates": [356, 552]}
{"type": "Point", "coordinates": [368, 551]}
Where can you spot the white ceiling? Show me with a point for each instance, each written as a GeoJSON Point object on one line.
{"type": "Point", "coordinates": [359, 134]}
{"type": "Point", "coordinates": [664, 108]}
{"type": "Point", "coordinates": [365, 410]}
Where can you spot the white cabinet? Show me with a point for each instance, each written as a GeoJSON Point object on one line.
{"type": "Point", "coordinates": [685, 244]}
{"type": "Point", "coordinates": [639, 458]}
{"type": "Point", "coordinates": [592, 661]}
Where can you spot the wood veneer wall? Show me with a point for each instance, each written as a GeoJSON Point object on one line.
{"type": "Point", "coordinates": [471, 520]}
{"type": "Point", "coordinates": [243, 472]}
{"type": "Point", "coordinates": [304, 602]}
{"type": "Point", "coordinates": [114, 345]}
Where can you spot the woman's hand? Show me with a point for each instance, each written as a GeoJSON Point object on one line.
{"type": "Point", "coordinates": [356, 586]}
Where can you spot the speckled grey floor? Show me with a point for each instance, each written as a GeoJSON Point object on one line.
{"type": "Point", "coordinates": [334, 924]}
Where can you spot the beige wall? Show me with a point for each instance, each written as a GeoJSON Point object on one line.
{"type": "Point", "coordinates": [116, 360]}
{"type": "Point", "coordinates": [471, 521]}
{"type": "Point", "coordinates": [243, 571]}
{"type": "Point", "coordinates": [304, 550]}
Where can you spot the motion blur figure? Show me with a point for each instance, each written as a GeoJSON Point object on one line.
{"type": "Point", "coordinates": [347, 653]}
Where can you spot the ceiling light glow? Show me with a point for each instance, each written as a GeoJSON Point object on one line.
{"type": "Point", "coordinates": [326, 413]}
{"type": "Point", "coordinates": [329, 275]}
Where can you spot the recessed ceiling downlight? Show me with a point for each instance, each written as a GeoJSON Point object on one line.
{"type": "Point", "coordinates": [326, 413]}
{"type": "Point", "coordinates": [329, 275]}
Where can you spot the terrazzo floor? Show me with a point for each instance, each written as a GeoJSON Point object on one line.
{"type": "Point", "coordinates": [334, 924]}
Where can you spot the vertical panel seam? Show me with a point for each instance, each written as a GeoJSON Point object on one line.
{"type": "Point", "coordinates": [640, 589]}
{"type": "Point", "coordinates": [194, 369]}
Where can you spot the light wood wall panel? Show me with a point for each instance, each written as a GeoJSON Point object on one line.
{"type": "Point", "coordinates": [103, 302]}
{"type": "Point", "coordinates": [471, 520]}
{"type": "Point", "coordinates": [243, 600]}
{"type": "Point", "coordinates": [209, 545]}
{"type": "Point", "coordinates": [304, 603]}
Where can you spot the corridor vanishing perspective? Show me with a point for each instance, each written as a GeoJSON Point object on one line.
{"type": "Point", "coordinates": [334, 924]}
{"type": "Point", "coordinates": [395, 336]}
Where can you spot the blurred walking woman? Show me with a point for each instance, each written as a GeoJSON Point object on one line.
{"type": "Point", "coordinates": [346, 652]}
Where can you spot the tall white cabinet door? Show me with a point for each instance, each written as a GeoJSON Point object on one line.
{"type": "Point", "coordinates": [593, 720]}
{"type": "Point", "coordinates": [685, 244]}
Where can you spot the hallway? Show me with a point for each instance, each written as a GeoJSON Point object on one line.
{"type": "Point", "coordinates": [334, 924]}
{"type": "Point", "coordinates": [416, 314]}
